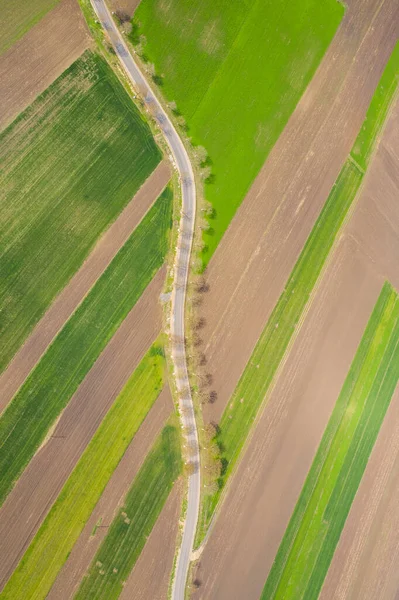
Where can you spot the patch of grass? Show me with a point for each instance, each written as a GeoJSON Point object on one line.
{"type": "Point", "coordinates": [250, 392]}
{"type": "Point", "coordinates": [133, 524]}
{"type": "Point", "coordinates": [312, 535]}
{"type": "Point", "coordinates": [50, 547]}
{"type": "Point", "coordinates": [49, 387]}
{"type": "Point", "coordinates": [377, 112]}
{"type": "Point", "coordinates": [236, 71]}
{"type": "Point", "coordinates": [70, 163]}
{"type": "Point", "coordinates": [18, 16]}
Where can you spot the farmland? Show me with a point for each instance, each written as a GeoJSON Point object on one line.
{"type": "Point", "coordinates": [283, 41]}
{"type": "Point", "coordinates": [238, 418]}
{"type": "Point", "coordinates": [55, 538]}
{"type": "Point", "coordinates": [51, 384]}
{"type": "Point", "coordinates": [19, 16]}
{"type": "Point", "coordinates": [133, 523]}
{"type": "Point", "coordinates": [377, 111]}
{"type": "Point", "coordinates": [314, 530]}
{"type": "Point", "coordinates": [71, 161]}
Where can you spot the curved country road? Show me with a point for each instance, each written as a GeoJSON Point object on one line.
{"type": "Point", "coordinates": [181, 267]}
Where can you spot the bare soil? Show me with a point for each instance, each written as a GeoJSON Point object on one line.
{"type": "Point", "coordinates": [36, 490]}
{"type": "Point", "coordinates": [151, 574]}
{"type": "Point", "coordinates": [40, 56]}
{"type": "Point", "coordinates": [238, 556]}
{"type": "Point", "coordinates": [112, 498]}
{"type": "Point", "coordinates": [81, 283]}
{"type": "Point", "coordinates": [126, 6]}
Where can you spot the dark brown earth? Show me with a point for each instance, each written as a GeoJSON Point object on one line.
{"type": "Point", "coordinates": [151, 574]}
{"type": "Point", "coordinates": [127, 6]}
{"type": "Point", "coordinates": [34, 493]}
{"type": "Point", "coordinates": [112, 498]}
{"type": "Point", "coordinates": [38, 58]}
{"type": "Point", "coordinates": [259, 250]}
{"type": "Point", "coordinates": [81, 283]}
{"type": "Point", "coordinates": [259, 504]}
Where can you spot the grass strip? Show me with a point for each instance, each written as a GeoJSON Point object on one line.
{"type": "Point", "coordinates": [70, 163]}
{"type": "Point", "coordinates": [132, 525]}
{"type": "Point", "coordinates": [212, 58]}
{"type": "Point", "coordinates": [250, 392]}
{"type": "Point", "coordinates": [378, 110]}
{"type": "Point", "coordinates": [312, 535]}
{"type": "Point", "coordinates": [49, 387]}
{"type": "Point", "coordinates": [50, 547]}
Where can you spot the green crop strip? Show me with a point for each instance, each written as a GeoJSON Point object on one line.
{"type": "Point", "coordinates": [312, 535]}
{"type": "Point", "coordinates": [70, 163]}
{"type": "Point", "coordinates": [377, 112]}
{"type": "Point", "coordinates": [49, 387]}
{"type": "Point", "coordinates": [236, 71]}
{"type": "Point", "coordinates": [258, 375]}
{"type": "Point", "coordinates": [50, 547]}
{"type": "Point", "coordinates": [18, 16]}
{"type": "Point", "coordinates": [135, 520]}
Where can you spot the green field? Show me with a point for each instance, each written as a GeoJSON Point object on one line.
{"type": "Point", "coordinates": [51, 546]}
{"type": "Point", "coordinates": [250, 392]}
{"type": "Point", "coordinates": [70, 163]}
{"type": "Point", "coordinates": [377, 112]}
{"type": "Point", "coordinates": [236, 71]}
{"type": "Point", "coordinates": [51, 384]}
{"type": "Point", "coordinates": [309, 543]}
{"type": "Point", "coordinates": [18, 16]}
{"type": "Point", "coordinates": [133, 523]}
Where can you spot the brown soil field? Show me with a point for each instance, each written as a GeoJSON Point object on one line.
{"type": "Point", "coordinates": [260, 248]}
{"type": "Point", "coordinates": [128, 6]}
{"type": "Point", "coordinates": [260, 501]}
{"type": "Point", "coordinates": [81, 283]}
{"type": "Point", "coordinates": [151, 574]}
{"type": "Point", "coordinates": [40, 56]}
{"type": "Point", "coordinates": [34, 493]}
{"type": "Point", "coordinates": [238, 556]}
{"type": "Point", "coordinates": [112, 498]}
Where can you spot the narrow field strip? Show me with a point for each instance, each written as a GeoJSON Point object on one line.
{"type": "Point", "coordinates": [70, 163]}
{"type": "Point", "coordinates": [310, 540]}
{"type": "Point", "coordinates": [133, 524]}
{"type": "Point", "coordinates": [249, 394]}
{"type": "Point", "coordinates": [213, 59]}
{"type": "Point", "coordinates": [258, 375]}
{"type": "Point", "coordinates": [50, 547]}
{"type": "Point", "coordinates": [27, 419]}
{"type": "Point", "coordinates": [18, 16]}
{"type": "Point", "coordinates": [377, 112]}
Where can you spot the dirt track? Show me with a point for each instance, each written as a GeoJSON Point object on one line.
{"type": "Point", "coordinates": [260, 248]}
{"type": "Point", "coordinates": [39, 57]}
{"type": "Point", "coordinates": [112, 498]}
{"type": "Point", "coordinates": [78, 287]}
{"type": "Point", "coordinates": [151, 574]}
{"type": "Point", "coordinates": [239, 554]}
{"type": "Point", "coordinates": [42, 480]}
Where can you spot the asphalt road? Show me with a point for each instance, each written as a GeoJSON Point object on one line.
{"type": "Point", "coordinates": [185, 239]}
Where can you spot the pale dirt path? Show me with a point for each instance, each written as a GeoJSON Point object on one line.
{"type": "Point", "coordinates": [84, 550]}
{"type": "Point", "coordinates": [39, 485]}
{"type": "Point", "coordinates": [40, 56]}
{"type": "Point", "coordinates": [78, 287]}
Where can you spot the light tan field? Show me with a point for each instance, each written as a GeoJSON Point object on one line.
{"type": "Point", "coordinates": [266, 486]}
{"type": "Point", "coordinates": [40, 56]}
{"type": "Point", "coordinates": [38, 487]}
{"type": "Point", "coordinates": [75, 291]}
{"type": "Point", "coordinates": [112, 498]}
